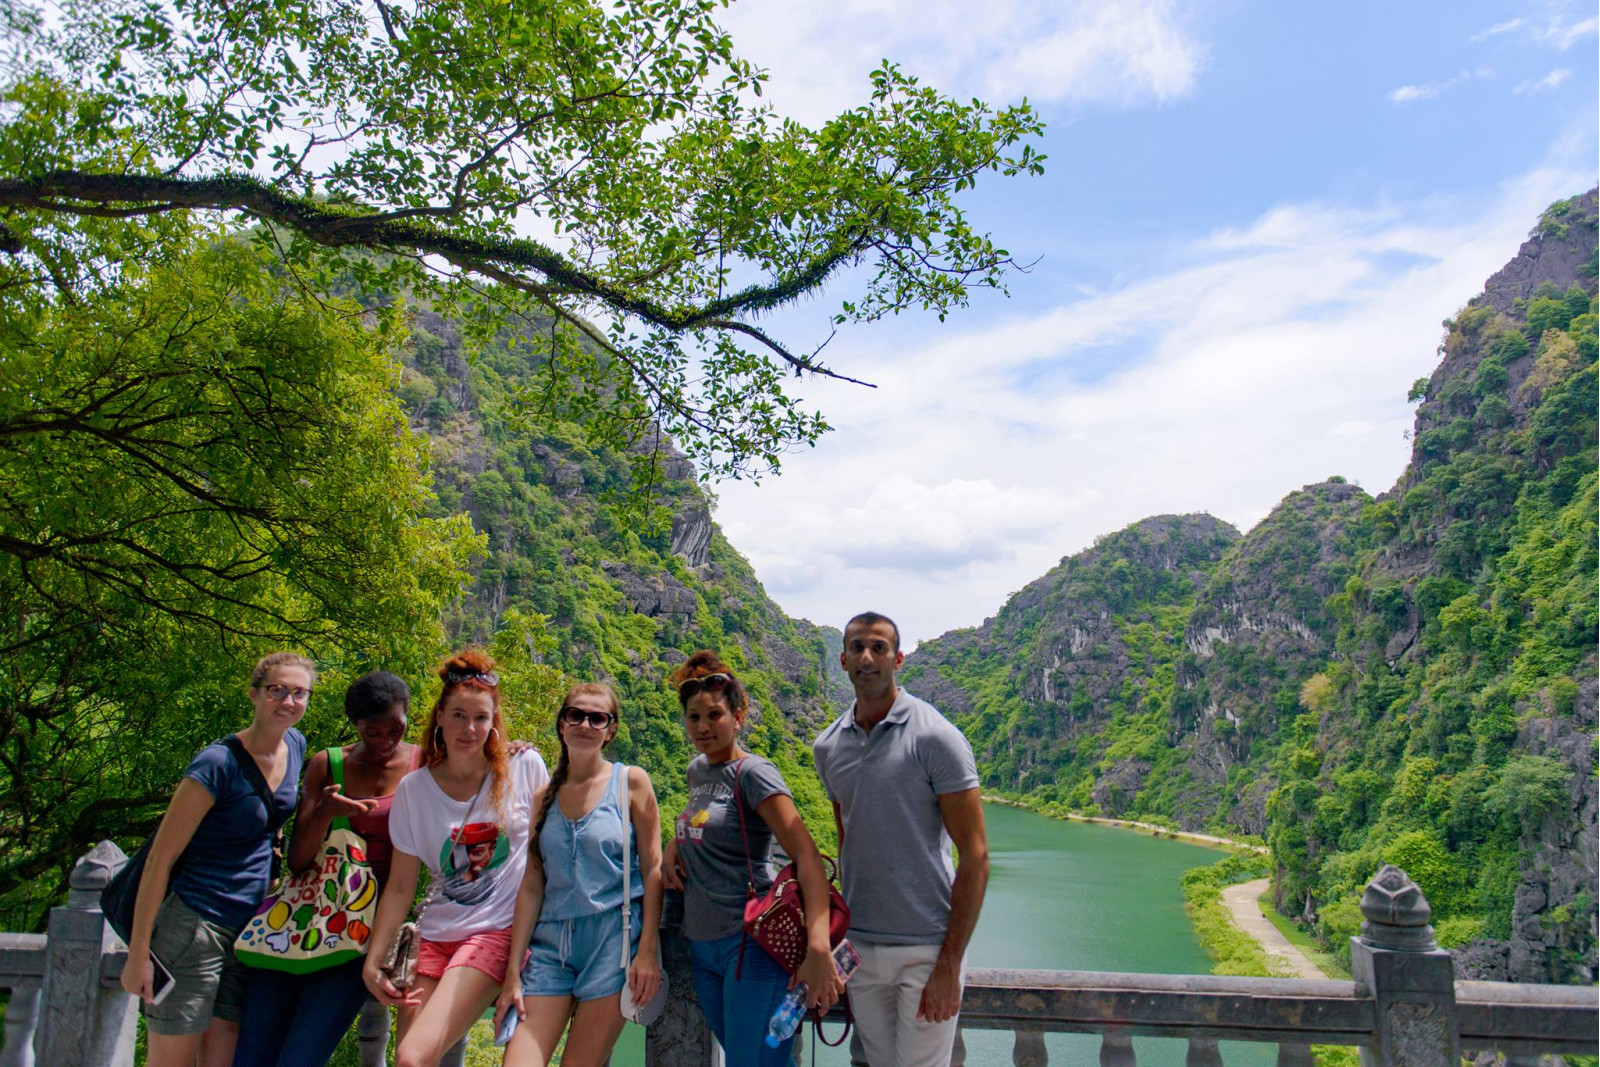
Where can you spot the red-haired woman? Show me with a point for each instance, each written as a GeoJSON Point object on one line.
{"type": "Point", "coordinates": [465, 814]}
{"type": "Point", "coordinates": [707, 860]}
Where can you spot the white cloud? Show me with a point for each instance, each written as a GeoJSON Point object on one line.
{"type": "Point", "coordinates": [1407, 93]}
{"type": "Point", "coordinates": [1497, 29]}
{"type": "Point", "coordinates": [1557, 24]}
{"type": "Point", "coordinates": [1105, 52]}
{"type": "Point", "coordinates": [1278, 353]}
{"type": "Point", "coordinates": [1544, 84]}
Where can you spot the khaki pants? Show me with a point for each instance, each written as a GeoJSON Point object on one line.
{"type": "Point", "coordinates": [885, 994]}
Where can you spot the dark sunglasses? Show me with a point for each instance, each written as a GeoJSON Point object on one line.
{"type": "Point", "coordinates": [597, 720]}
{"type": "Point", "coordinates": [455, 677]}
{"type": "Point", "coordinates": [706, 683]}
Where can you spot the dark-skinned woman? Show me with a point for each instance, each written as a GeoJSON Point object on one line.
{"type": "Point", "coordinates": [297, 1020]}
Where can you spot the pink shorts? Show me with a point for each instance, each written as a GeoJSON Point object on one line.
{"type": "Point", "coordinates": [486, 952]}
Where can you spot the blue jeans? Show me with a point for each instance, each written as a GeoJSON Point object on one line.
{"type": "Point", "coordinates": [296, 1020]}
{"type": "Point", "coordinates": [738, 1009]}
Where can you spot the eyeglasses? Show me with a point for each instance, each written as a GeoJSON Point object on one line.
{"type": "Point", "coordinates": [455, 677]}
{"type": "Point", "coordinates": [597, 720]}
{"type": "Point", "coordinates": [286, 694]}
{"type": "Point", "coordinates": [706, 683]}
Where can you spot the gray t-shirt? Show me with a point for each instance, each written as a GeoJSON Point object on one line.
{"type": "Point", "coordinates": [712, 849]}
{"type": "Point", "coordinates": [896, 866]}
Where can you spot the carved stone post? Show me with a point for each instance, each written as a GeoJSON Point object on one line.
{"type": "Point", "coordinates": [372, 1033]}
{"type": "Point", "coordinates": [22, 1016]}
{"type": "Point", "coordinates": [1410, 976]}
{"type": "Point", "coordinates": [83, 1020]}
{"type": "Point", "coordinates": [680, 1038]}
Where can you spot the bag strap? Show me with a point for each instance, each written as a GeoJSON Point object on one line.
{"type": "Point", "coordinates": [455, 839]}
{"type": "Point", "coordinates": [252, 774]}
{"type": "Point", "coordinates": [749, 866]}
{"type": "Point", "coordinates": [336, 772]}
{"type": "Point", "coordinates": [623, 804]}
{"type": "Point", "coordinates": [744, 834]}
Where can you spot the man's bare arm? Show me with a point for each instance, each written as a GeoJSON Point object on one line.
{"type": "Point", "coordinates": [962, 814]}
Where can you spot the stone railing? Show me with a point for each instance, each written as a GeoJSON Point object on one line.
{"type": "Point", "coordinates": [74, 972]}
{"type": "Point", "coordinates": [1403, 1009]}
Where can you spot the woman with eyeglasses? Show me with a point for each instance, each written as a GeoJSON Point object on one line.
{"type": "Point", "coordinates": [465, 815]}
{"type": "Point", "coordinates": [221, 828]}
{"type": "Point", "coordinates": [298, 1019]}
{"type": "Point", "coordinates": [571, 897]}
{"type": "Point", "coordinates": [738, 984]}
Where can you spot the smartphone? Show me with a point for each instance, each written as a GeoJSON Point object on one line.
{"type": "Point", "coordinates": [508, 1026]}
{"type": "Point", "coordinates": [846, 958]}
{"type": "Point", "coordinates": [161, 981]}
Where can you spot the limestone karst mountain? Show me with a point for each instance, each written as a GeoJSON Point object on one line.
{"type": "Point", "coordinates": [1409, 679]}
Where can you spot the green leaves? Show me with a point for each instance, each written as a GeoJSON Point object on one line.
{"type": "Point", "coordinates": [629, 132]}
{"type": "Point", "coordinates": [199, 462]}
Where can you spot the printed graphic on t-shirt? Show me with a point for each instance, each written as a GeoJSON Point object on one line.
{"type": "Point", "coordinates": [470, 860]}
{"type": "Point", "coordinates": [691, 825]}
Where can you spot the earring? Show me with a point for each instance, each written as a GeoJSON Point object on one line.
{"type": "Point", "coordinates": [438, 736]}
{"type": "Point", "coordinates": [493, 732]}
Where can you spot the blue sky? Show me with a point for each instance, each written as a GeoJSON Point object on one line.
{"type": "Point", "coordinates": [1253, 219]}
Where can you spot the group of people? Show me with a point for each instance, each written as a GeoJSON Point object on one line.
{"type": "Point", "coordinates": [529, 870]}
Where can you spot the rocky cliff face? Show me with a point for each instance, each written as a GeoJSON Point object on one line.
{"type": "Point", "coordinates": [624, 594]}
{"type": "Point", "coordinates": [1070, 652]}
{"type": "Point", "coordinates": [1260, 627]}
{"type": "Point", "coordinates": [1410, 679]}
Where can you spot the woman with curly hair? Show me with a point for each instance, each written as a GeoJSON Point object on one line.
{"type": "Point", "coordinates": [738, 984]}
{"type": "Point", "coordinates": [572, 896]}
{"type": "Point", "coordinates": [466, 815]}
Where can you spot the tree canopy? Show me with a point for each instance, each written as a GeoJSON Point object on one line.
{"type": "Point", "coordinates": [199, 462]}
{"type": "Point", "coordinates": [609, 165]}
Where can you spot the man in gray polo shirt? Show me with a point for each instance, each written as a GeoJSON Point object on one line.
{"type": "Point", "coordinates": [904, 785]}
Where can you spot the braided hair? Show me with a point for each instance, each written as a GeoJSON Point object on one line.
{"type": "Point", "coordinates": [563, 768]}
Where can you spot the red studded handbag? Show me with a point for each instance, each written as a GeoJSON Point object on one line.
{"type": "Point", "coordinates": [776, 919]}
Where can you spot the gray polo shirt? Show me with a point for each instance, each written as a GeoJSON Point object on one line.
{"type": "Point", "coordinates": [896, 864]}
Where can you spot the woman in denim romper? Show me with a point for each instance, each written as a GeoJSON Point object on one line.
{"type": "Point", "coordinates": [573, 888]}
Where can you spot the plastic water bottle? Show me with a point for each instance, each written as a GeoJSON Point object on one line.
{"type": "Point", "coordinates": [786, 1019]}
{"type": "Point", "coordinates": [792, 1008]}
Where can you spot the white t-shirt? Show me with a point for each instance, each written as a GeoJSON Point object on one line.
{"type": "Point", "coordinates": [475, 880]}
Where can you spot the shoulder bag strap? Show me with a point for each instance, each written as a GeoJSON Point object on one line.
{"type": "Point", "coordinates": [252, 774]}
{"type": "Point", "coordinates": [336, 773]}
{"type": "Point", "coordinates": [749, 867]}
{"type": "Point", "coordinates": [624, 797]}
{"type": "Point", "coordinates": [455, 839]}
{"type": "Point", "coordinates": [744, 834]}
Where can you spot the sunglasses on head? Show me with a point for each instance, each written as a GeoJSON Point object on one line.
{"type": "Point", "coordinates": [706, 683]}
{"type": "Point", "coordinates": [597, 720]}
{"type": "Point", "coordinates": [455, 677]}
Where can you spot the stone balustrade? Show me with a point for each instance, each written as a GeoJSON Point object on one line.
{"type": "Point", "coordinates": [1403, 1008]}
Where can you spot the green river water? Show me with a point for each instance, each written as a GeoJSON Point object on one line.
{"type": "Point", "coordinates": [1073, 896]}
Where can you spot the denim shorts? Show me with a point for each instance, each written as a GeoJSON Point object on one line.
{"type": "Point", "coordinates": [579, 958]}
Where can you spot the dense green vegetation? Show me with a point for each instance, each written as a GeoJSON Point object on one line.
{"type": "Point", "coordinates": [1408, 680]}
{"type": "Point", "coordinates": [1444, 761]}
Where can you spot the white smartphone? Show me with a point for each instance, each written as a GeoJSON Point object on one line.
{"type": "Point", "coordinates": [161, 981]}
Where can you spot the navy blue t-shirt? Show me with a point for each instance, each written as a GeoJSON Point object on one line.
{"type": "Point", "coordinates": [227, 867]}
